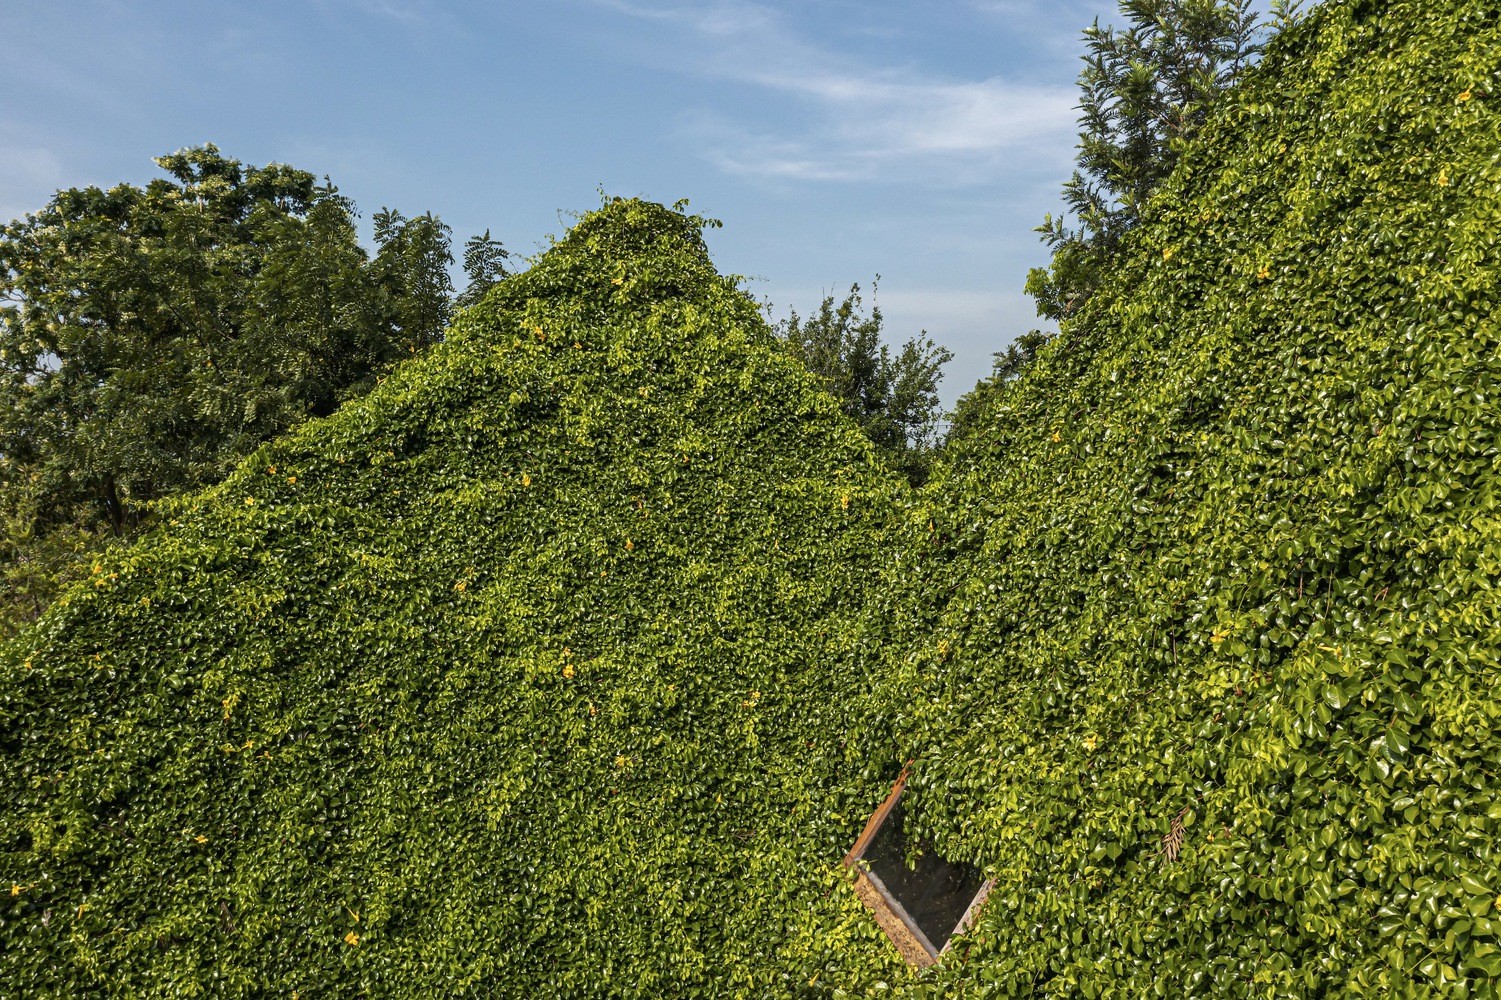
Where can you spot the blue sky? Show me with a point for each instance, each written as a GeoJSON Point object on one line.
{"type": "Point", "coordinates": [836, 139]}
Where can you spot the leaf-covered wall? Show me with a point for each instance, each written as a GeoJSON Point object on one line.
{"type": "Point", "coordinates": [569, 662]}
{"type": "Point", "coordinates": [524, 674]}
{"type": "Point", "coordinates": [1229, 556]}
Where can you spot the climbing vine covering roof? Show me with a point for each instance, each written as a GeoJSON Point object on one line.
{"type": "Point", "coordinates": [523, 672]}
{"type": "Point", "coordinates": [570, 661]}
{"type": "Point", "coordinates": [1215, 693]}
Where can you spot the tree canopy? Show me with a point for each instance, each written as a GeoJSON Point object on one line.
{"type": "Point", "coordinates": [891, 395]}
{"type": "Point", "coordinates": [485, 263]}
{"type": "Point", "coordinates": [1146, 90]}
{"type": "Point", "coordinates": [153, 335]}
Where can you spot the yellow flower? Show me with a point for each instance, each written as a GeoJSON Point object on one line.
{"type": "Point", "coordinates": [200, 839]}
{"type": "Point", "coordinates": [1443, 178]}
{"type": "Point", "coordinates": [526, 480]}
{"type": "Point", "coordinates": [291, 479]}
{"type": "Point", "coordinates": [629, 545]}
{"type": "Point", "coordinates": [351, 938]}
{"type": "Point", "coordinates": [568, 670]}
{"type": "Point", "coordinates": [1057, 437]}
{"type": "Point", "coordinates": [620, 760]}
{"type": "Point", "coordinates": [844, 502]}
{"type": "Point", "coordinates": [270, 470]}
{"type": "Point", "coordinates": [1465, 95]}
{"type": "Point", "coordinates": [1264, 273]}
{"type": "Point", "coordinates": [15, 890]}
{"type": "Point", "coordinates": [460, 586]}
{"type": "Point", "coordinates": [250, 501]}
{"type": "Point", "coordinates": [1167, 253]}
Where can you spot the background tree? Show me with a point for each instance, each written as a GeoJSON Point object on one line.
{"type": "Point", "coordinates": [1147, 89]}
{"type": "Point", "coordinates": [411, 268]}
{"type": "Point", "coordinates": [892, 396]}
{"type": "Point", "coordinates": [151, 336]}
{"type": "Point", "coordinates": [485, 264]}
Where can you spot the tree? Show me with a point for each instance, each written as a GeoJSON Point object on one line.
{"type": "Point", "coordinates": [485, 264]}
{"type": "Point", "coordinates": [892, 396]}
{"type": "Point", "coordinates": [1146, 90]}
{"type": "Point", "coordinates": [151, 336]}
{"type": "Point", "coordinates": [411, 267]}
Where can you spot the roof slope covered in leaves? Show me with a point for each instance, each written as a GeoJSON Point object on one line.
{"type": "Point", "coordinates": [1216, 696]}
{"type": "Point", "coordinates": [522, 674]}
{"type": "Point", "coordinates": [570, 660]}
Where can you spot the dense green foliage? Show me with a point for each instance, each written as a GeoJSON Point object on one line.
{"type": "Point", "coordinates": [536, 659]}
{"type": "Point", "coordinates": [892, 395]}
{"type": "Point", "coordinates": [153, 336]}
{"type": "Point", "coordinates": [1146, 90]}
{"type": "Point", "coordinates": [569, 661]}
{"type": "Point", "coordinates": [1234, 564]}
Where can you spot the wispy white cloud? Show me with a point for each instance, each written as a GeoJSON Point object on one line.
{"type": "Point", "coordinates": [716, 17]}
{"type": "Point", "coordinates": [851, 121]}
{"type": "Point", "coordinates": [737, 149]}
{"type": "Point", "coordinates": [940, 309]}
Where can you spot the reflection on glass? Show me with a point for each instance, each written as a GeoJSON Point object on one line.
{"type": "Point", "coordinates": [918, 898]}
{"type": "Point", "coordinates": [934, 893]}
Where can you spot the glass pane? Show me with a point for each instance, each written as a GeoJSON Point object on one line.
{"type": "Point", "coordinates": [935, 893]}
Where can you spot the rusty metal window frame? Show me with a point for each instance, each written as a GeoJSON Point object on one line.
{"type": "Point", "coordinates": [898, 925]}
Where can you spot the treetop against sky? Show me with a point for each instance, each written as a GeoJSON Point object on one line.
{"type": "Point", "coordinates": [835, 139]}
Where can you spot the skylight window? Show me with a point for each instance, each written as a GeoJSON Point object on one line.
{"type": "Point", "coordinates": [923, 905]}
